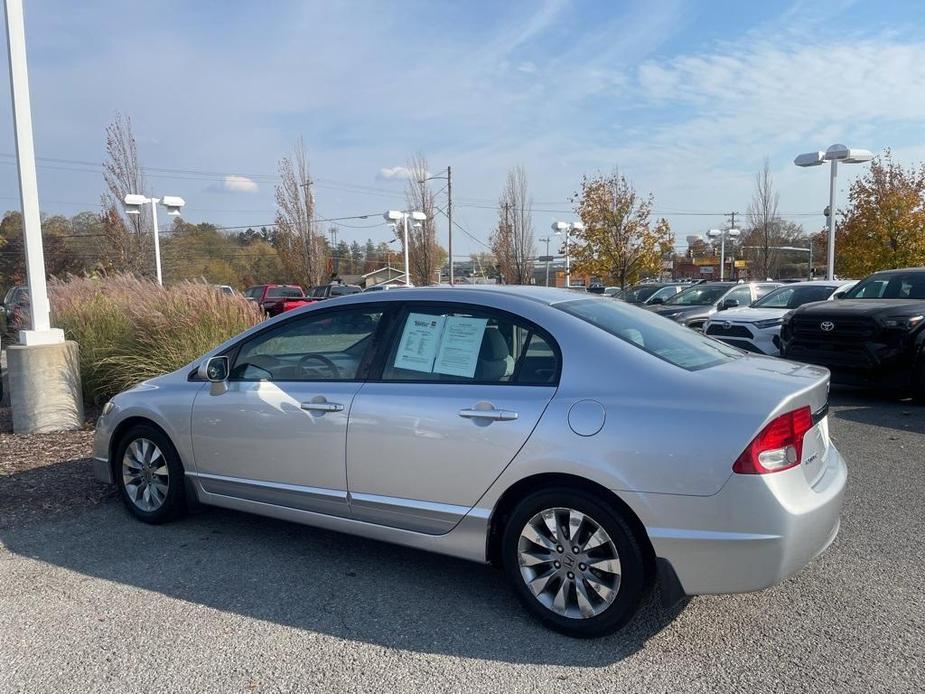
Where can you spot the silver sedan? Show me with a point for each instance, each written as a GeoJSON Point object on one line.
{"type": "Point", "coordinates": [587, 447]}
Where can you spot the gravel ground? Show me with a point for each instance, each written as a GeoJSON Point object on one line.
{"type": "Point", "coordinates": [93, 601]}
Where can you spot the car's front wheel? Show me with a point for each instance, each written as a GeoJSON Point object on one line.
{"type": "Point", "coordinates": [149, 474]}
{"type": "Point", "coordinates": [574, 562]}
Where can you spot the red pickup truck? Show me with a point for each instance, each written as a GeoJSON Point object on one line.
{"type": "Point", "coordinates": [277, 298]}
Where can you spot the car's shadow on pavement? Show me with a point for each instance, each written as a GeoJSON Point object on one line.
{"type": "Point", "coordinates": [312, 579]}
{"type": "Point", "coordinates": [879, 409]}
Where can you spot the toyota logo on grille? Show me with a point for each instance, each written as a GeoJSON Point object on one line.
{"type": "Point", "coordinates": [727, 325]}
{"type": "Point", "coordinates": [827, 326]}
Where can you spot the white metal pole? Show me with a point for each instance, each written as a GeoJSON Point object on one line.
{"type": "Point", "coordinates": [830, 266]}
{"type": "Point", "coordinates": [157, 241]}
{"type": "Point", "coordinates": [568, 261]}
{"type": "Point", "coordinates": [404, 222]}
{"type": "Point", "coordinates": [547, 261]}
{"type": "Point", "coordinates": [25, 161]}
{"type": "Point", "coordinates": [722, 257]}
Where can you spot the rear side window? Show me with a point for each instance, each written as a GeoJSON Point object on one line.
{"type": "Point", "coordinates": [651, 333]}
{"type": "Point", "coordinates": [461, 346]}
{"type": "Point", "coordinates": [283, 292]}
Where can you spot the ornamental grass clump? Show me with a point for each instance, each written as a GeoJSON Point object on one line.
{"type": "Point", "coordinates": [130, 329]}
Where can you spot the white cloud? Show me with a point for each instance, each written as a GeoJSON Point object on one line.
{"type": "Point", "coordinates": [527, 67]}
{"type": "Point", "coordinates": [396, 173]}
{"type": "Point", "coordinates": [240, 184]}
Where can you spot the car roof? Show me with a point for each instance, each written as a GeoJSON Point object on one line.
{"type": "Point", "coordinates": [472, 293]}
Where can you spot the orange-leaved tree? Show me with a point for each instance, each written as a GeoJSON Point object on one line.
{"type": "Point", "coordinates": [884, 226]}
{"type": "Point", "coordinates": [619, 243]}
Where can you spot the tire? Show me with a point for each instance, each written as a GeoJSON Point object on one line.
{"type": "Point", "coordinates": [165, 499]}
{"type": "Point", "coordinates": [918, 381]}
{"type": "Point", "coordinates": [574, 611]}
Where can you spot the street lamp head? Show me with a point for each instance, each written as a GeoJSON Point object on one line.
{"type": "Point", "coordinates": [560, 227]}
{"type": "Point", "coordinates": [419, 216]}
{"type": "Point", "coordinates": [173, 204]}
{"type": "Point", "coordinates": [733, 232]}
{"type": "Point", "coordinates": [392, 216]}
{"type": "Point", "coordinates": [578, 226]}
{"type": "Point", "coordinates": [133, 203]}
{"type": "Point", "coordinates": [713, 233]}
{"type": "Point", "coordinates": [848, 155]}
{"type": "Point", "coordinates": [810, 159]}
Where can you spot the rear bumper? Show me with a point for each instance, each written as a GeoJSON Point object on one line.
{"type": "Point", "coordinates": [755, 532]}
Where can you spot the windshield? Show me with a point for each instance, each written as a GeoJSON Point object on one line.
{"type": "Point", "coordinates": [280, 292]}
{"type": "Point", "coordinates": [639, 293]}
{"type": "Point", "coordinates": [793, 297]}
{"type": "Point", "coordinates": [651, 333]}
{"type": "Point", "coordinates": [701, 295]}
{"type": "Point", "coordinates": [906, 285]}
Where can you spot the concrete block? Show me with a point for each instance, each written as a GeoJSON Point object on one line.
{"type": "Point", "coordinates": [44, 383]}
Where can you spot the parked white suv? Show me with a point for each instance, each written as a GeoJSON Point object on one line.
{"type": "Point", "coordinates": [756, 328]}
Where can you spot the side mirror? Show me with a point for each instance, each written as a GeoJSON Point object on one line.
{"type": "Point", "coordinates": [840, 295]}
{"type": "Point", "coordinates": [656, 300]}
{"type": "Point", "coordinates": [728, 303]}
{"type": "Point", "coordinates": [214, 370]}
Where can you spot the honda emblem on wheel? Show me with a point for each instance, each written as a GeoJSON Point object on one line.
{"type": "Point", "coordinates": [827, 326]}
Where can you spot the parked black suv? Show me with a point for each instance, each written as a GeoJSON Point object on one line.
{"type": "Point", "coordinates": [873, 335]}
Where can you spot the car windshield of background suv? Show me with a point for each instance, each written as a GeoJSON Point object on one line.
{"type": "Point", "coordinates": [697, 296]}
{"type": "Point", "coordinates": [905, 286]}
{"type": "Point", "coordinates": [793, 297]}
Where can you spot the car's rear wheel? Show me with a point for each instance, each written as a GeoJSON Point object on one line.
{"type": "Point", "coordinates": [149, 475]}
{"type": "Point", "coordinates": [574, 562]}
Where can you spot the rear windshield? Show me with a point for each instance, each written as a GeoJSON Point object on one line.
{"type": "Point", "coordinates": [906, 285]}
{"type": "Point", "coordinates": [282, 292]}
{"type": "Point", "coordinates": [651, 333]}
{"type": "Point", "coordinates": [794, 297]}
{"type": "Point", "coordinates": [703, 295]}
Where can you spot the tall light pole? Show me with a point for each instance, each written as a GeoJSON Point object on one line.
{"type": "Point", "coordinates": [133, 203]}
{"type": "Point", "coordinates": [834, 154]}
{"type": "Point", "coordinates": [396, 216]}
{"type": "Point", "coordinates": [39, 308]}
{"type": "Point", "coordinates": [546, 239]}
{"type": "Point", "coordinates": [722, 233]}
{"type": "Point", "coordinates": [449, 213]}
{"type": "Point", "coordinates": [567, 228]}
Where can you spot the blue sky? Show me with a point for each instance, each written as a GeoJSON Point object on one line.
{"type": "Point", "coordinates": [685, 98]}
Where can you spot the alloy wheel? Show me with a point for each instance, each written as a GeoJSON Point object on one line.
{"type": "Point", "coordinates": [569, 563]}
{"type": "Point", "coordinates": [145, 474]}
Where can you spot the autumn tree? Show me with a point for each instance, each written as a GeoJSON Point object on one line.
{"type": "Point", "coordinates": [619, 242]}
{"type": "Point", "coordinates": [425, 256]}
{"type": "Point", "coordinates": [128, 237]}
{"type": "Point", "coordinates": [299, 243]}
{"type": "Point", "coordinates": [884, 225]}
{"type": "Point", "coordinates": [512, 239]}
{"type": "Point", "coordinates": [763, 217]}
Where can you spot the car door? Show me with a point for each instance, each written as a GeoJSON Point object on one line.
{"type": "Point", "coordinates": [742, 294]}
{"type": "Point", "coordinates": [276, 432]}
{"type": "Point", "coordinates": [454, 395]}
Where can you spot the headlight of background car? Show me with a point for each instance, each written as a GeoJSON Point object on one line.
{"type": "Point", "coordinates": [902, 322]}
{"type": "Point", "coordinates": [770, 323]}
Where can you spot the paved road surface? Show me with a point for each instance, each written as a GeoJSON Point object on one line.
{"type": "Point", "coordinates": [92, 601]}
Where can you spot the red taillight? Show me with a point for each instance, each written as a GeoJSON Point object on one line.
{"type": "Point", "coordinates": [779, 446]}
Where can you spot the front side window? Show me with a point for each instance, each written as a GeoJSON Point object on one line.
{"type": "Point", "coordinates": [741, 294]}
{"type": "Point", "coordinates": [327, 346]}
{"type": "Point", "coordinates": [664, 294]}
{"type": "Point", "coordinates": [702, 295]}
{"type": "Point", "coordinates": [794, 297]}
{"type": "Point", "coordinates": [651, 333]}
{"type": "Point", "coordinates": [462, 346]}
{"type": "Point", "coordinates": [639, 294]}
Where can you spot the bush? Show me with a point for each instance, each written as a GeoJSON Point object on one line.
{"type": "Point", "coordinates": [130, 329]}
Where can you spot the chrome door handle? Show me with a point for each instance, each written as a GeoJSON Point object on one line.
{"type": "Point", "coordinates": [322, 406]}
{"type": "Point", "coordinates": [495, 415]}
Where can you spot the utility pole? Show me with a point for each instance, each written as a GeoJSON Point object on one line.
{"type": "Point", "coordinates": [732, 225]}
{"type": "Point", "coordinates": [449, 214]}
{"type": "Point", "coordinates": [546, 239]}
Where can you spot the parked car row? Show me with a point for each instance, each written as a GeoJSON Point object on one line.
{"type": "Point", "coordinates": [279, 298]}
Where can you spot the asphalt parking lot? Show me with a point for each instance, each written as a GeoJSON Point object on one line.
{"type": "Point", "coordinates": [93, 601]}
